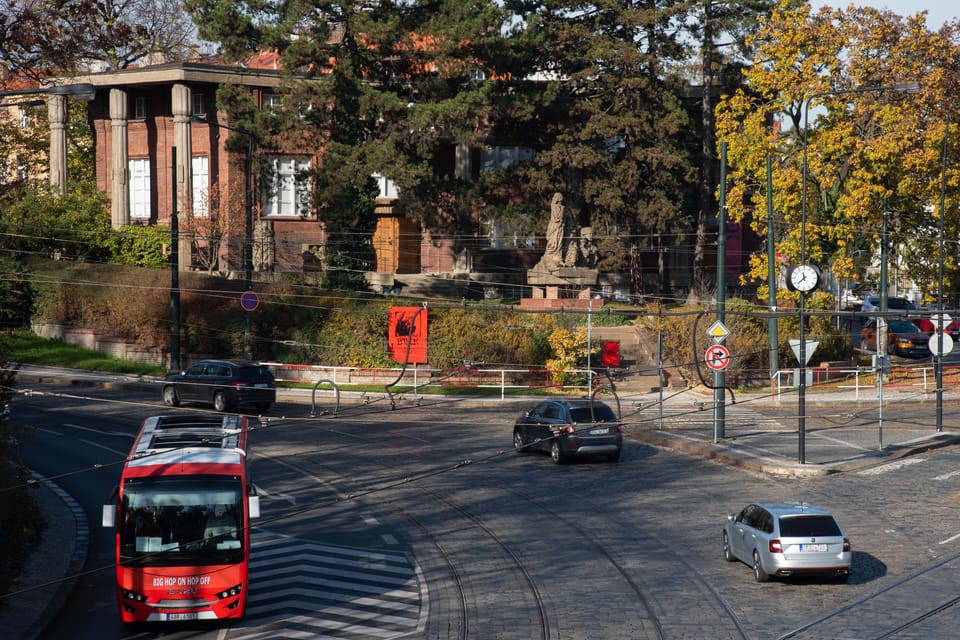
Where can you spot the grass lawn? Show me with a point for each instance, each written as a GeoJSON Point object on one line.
{"type": "Point", "coordinates": [28, 348]}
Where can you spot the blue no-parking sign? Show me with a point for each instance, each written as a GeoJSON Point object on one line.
{"type": "Point", "coordinates": [249, 300]}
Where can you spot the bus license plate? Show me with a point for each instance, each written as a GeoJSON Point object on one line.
{"type": "Point", "coordinates": [181, 616]}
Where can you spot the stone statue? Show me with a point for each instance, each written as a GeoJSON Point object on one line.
{"type": "Point", "coordinates": [557, 240]}
{"type": "Point", "coordinates": [565, 248]}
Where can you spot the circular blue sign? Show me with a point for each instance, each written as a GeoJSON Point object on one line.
{"type": "Point", "coordinates": [249, 300]}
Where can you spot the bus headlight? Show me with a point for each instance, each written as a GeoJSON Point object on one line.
{"type": "Point", "coordinates": [133, 595]}
{"type": "Point", "coordinates": [229, 593]}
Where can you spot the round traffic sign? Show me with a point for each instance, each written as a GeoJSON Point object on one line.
{"type": "Point", "coordinates": [249, 300]}
{"type": "Point", "coordinates": [717, 357]}
{"type": "Point", "coordinates": [934, 344]}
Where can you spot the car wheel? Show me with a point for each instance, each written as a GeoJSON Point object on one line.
{"type": "Point", "coordinates": [519, 444]}
{"type": "Point", "coordinates": [614, 457]}
{"type": "Point", "coordinates": [170, 397]}
{"type": "Point", "coordinates": [727, 551]}
{"type": "Point", "coordinates": [220, 401]}
{"type": "Point", "coordinates": [758, 573]}
{"type": "Point", "coordinates": [262, 406]}
{"type": "Point", "coordinates": [555, 453]}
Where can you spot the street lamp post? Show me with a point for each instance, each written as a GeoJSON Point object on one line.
{"type": "Point", "coordinates": [802, 350]}
{"type": "Point", "coordinates": [938, 361]}
{"type": "Point", "coordinates": [248, 223]}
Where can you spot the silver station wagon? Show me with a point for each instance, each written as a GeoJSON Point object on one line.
{"type": "Point", "coordinates": [787, 539]}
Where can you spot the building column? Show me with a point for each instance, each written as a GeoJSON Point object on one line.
{"type": "Point", "coordinates": [119, 161]}
{"type": "Point", "coordinates": [181, 106]}
{"type": "Point", "coordinates": [57, 111]}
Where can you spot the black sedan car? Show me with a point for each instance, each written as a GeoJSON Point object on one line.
{"type": "Point", "coordinates": [226, 384]}
{"type": "Point", "coordinates": [569, 428]}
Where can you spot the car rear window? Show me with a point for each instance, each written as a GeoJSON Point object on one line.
{"type": "Point", "coordinates": [806, 526]}
{"type": "Point", "coordinates": [598, 414]}
{"type": "Point", "coordinates": [254, 372]}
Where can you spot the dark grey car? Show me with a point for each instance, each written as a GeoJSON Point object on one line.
{"type": "Point", "coordinates": [226, 384]}
{"type": "Point", "coordinates": [569, 428]}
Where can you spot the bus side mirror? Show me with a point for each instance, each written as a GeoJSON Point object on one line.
{"type": "Point", "coordinates": [254, 504]}
{"type": "Point", "coordinates": [108, 517]}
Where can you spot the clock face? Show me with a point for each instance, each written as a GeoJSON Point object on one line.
{"type": "Point", "coordinates": [804, 277]}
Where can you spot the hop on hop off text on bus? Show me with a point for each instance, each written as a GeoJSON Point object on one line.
{"type": "Point", "coordinates": [182, 520]}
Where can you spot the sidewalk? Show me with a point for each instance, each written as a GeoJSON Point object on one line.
{"type": "Point", "coordinates": [754, 438]}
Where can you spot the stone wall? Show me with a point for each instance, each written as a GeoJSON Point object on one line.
{"type": "Point", "coordinates": [108, 346]}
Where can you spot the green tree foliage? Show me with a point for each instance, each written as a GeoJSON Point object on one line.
{"type": "Point", "coordinates": [76, 226]}
{"type": "Point", "coordinates": [868, 151]}
{"type": "Point", "coordinates": [16, 294]}
{"type": "Point", "coordinates": [402, 89]}
{"type": "Point", "coordinates": [721, 30]}
{"type": "Point", "coordinates": [22, 521]}
{"type": "Point", "coordinates": [593, 92]}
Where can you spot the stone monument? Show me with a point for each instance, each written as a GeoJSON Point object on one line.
{"type": "Point", "coordinates": [569, 262]}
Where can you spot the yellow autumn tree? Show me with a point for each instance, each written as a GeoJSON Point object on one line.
{"type": "Point", "coordinates": [868, 150]}
{"type": "Point", "coordinates": [569, 349]}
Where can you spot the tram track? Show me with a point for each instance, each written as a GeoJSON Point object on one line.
{"type": "Point", "coordinates": [873, 606]}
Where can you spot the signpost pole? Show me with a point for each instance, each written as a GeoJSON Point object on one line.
{"type": "Point", "coordinates": [719, 377]}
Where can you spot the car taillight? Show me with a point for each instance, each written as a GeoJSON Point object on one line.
{"type": "Point", "coordinates": [775, 546]}
{"type": "Point", "coordinates": [846, 544]}
{"type": "Point", "coordinates": [569, 429]}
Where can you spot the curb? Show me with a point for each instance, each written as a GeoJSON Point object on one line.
{"type": "Point", "coordinates": [769, 466]}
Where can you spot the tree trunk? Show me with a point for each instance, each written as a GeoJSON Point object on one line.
{"type": "Point", "coordinates": [707, 205]}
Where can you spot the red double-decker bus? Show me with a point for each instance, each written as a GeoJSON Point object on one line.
{"type": "Point", "coordinates": [182, 518]}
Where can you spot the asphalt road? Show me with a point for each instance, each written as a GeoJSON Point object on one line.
{"type": "Point", "coordinates": [423, 522]}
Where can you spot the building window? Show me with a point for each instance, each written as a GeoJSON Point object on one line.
{"type": "Point", "coordinates": [140, 189]}
{"type": "Point", "coordinates": [200, 169]}
{"type": "Point", "coordinates": [287, 186]}
{"type": "Point", "coordinates": [139, 108]}
{"type": "Point", "coordinates": [499, 158]}
{"type": "Point", "coordinates": [272, 102]}
{"type": "Point", "coordinates": [197, 106]}
{"type": "Point", "coordinates": [388, 190]}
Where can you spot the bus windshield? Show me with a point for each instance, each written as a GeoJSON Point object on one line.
{"type": "Point", "coordinates": [196, 520]}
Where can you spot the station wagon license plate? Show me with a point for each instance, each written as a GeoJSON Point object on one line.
{"type": "Point", "coordinates": [813, 548]}
{"type": "Point", "coordinates": [599, 432]}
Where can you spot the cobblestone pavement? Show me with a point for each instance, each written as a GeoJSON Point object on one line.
{"type": "Point", "coordinates": [843, 438]}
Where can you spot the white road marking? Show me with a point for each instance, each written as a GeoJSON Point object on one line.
{"type": "Point", "coordinates": [100, 446]}
{"type": "Point", "coordinates": [893, 466]}
{"type": "Point", "coordinates": [950, 539]}
{"type": "Point", "coordinates": [101, 431]}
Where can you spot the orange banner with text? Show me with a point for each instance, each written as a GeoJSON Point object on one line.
{"type": "Point", "coordinates": [408, 330]}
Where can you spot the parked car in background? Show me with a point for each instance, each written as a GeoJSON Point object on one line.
{"type": "Point", "coordinates": [904, 339]}
{"type": "Point", "coordinates": [569, 428]}
{"type": "Point", "coordinates": [226, 384]}
{"type": "Point", "coordinates": [871, 304]}
{"type": "Point", "coordinates": [851, 299]}
{"type": "Point", "coordinates": [926, 325]}
{"type": "Point", "coordinates": [787, 539]}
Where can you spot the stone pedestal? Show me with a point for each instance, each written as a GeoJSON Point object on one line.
{"type": "Point", "coordinates": [546, 286]}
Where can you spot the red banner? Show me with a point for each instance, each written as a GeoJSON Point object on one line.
{"type": "Point", "coordinates": [611, 353]}
{"type": "Point", "coordinates": [407, 328]}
